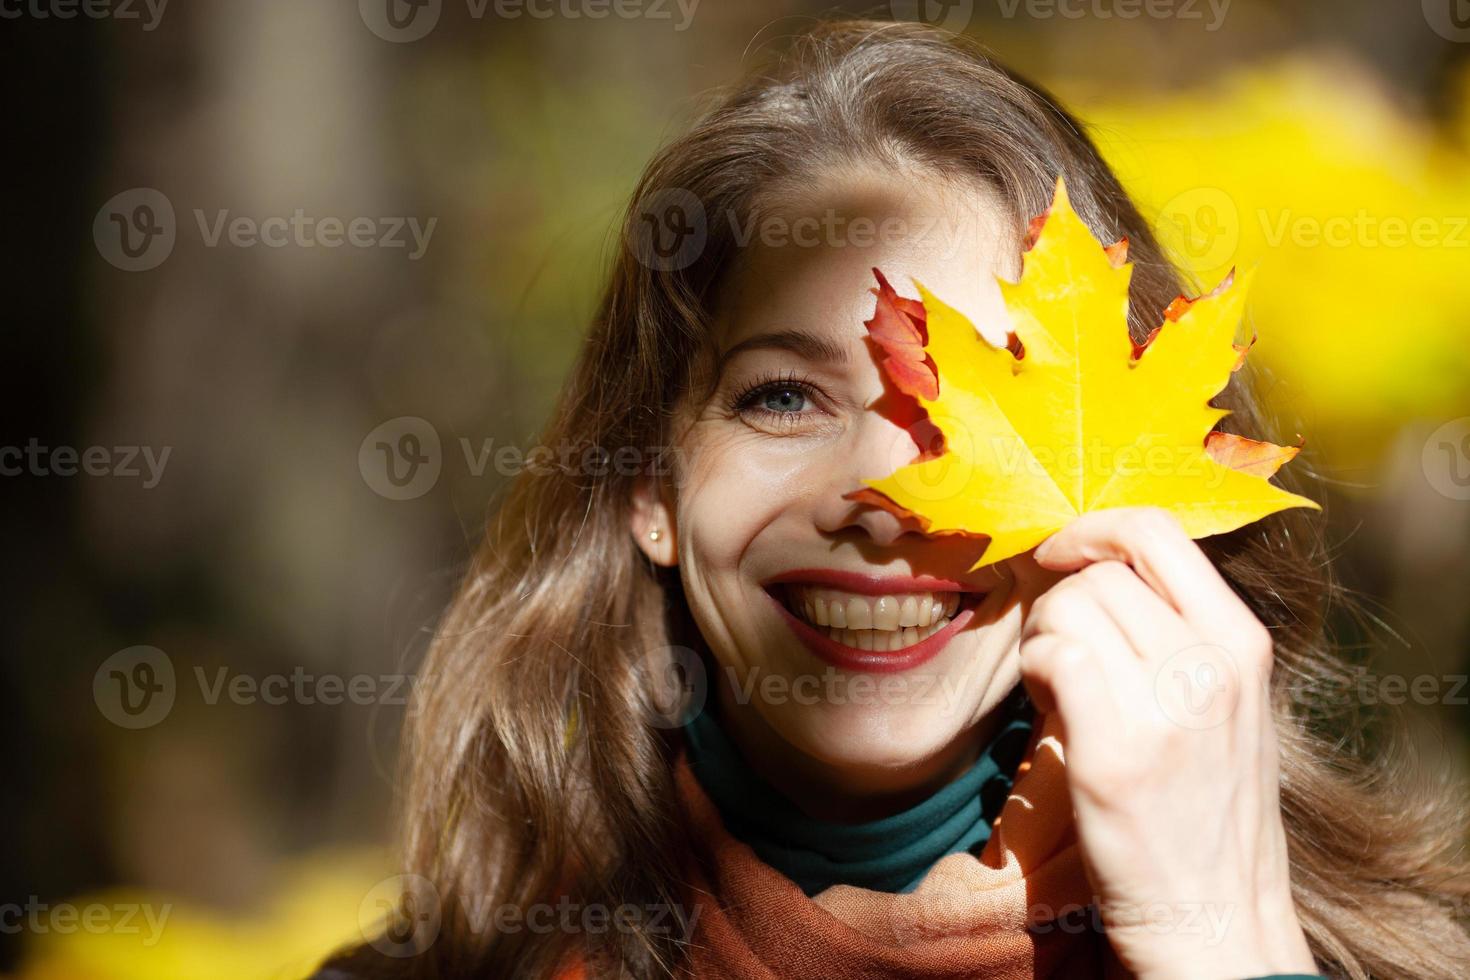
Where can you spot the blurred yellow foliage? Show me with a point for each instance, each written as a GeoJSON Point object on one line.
{"type": "Point", "coordinates": [1357, 213]}
{"type": "Point", "coordinates": [315, 910]}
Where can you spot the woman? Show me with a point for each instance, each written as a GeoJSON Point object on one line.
{"type": "Point", "coordinates": [803, 819]}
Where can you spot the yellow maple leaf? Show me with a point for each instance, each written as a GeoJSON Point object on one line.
{"type": "Point", "coordinates": [1081, 420]}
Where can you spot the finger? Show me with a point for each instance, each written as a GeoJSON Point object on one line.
{"type": "Point", "coordinates": [1068, 615]}
{"type": "Point", "coordinates": [1071, 680]}
{"type": "Point", "coordinates": [1073, 609]}
{"type": "Point", "coordinates": [1150, 625]}
{"type": "Point", "coordinates": [1156, 547]}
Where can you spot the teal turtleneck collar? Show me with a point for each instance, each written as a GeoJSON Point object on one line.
{"type": "Point", "coordinates": [888, 855]}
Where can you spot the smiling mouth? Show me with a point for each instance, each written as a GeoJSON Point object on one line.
{"type": "Point", "coordinates": [877, 623]}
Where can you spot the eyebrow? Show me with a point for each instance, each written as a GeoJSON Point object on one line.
{"type": "Point", "coordinates": [807, 345]}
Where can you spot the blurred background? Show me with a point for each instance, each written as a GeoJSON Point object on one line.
{"type": "Point", "coordinates": [254, 249]}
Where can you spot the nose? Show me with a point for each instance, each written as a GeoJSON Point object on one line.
{"type": "Point", "coordinates": [882, 527]}
{"type": "Point", "coordinates": [880, 447]}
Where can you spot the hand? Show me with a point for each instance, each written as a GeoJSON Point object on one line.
{"type": "Point", "coordinates": [1159, 674]}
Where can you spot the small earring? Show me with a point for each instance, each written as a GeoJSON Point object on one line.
{"type": "Point", "coordinates": [655, 534]}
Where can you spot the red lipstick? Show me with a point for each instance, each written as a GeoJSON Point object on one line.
{"type": "Point", "coordinates": [841, 655]}
{"type": "Point", "coordinates": [864, 584]}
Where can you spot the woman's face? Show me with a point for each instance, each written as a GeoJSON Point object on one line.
{"type": "Point", "coordinates": [838, 630]}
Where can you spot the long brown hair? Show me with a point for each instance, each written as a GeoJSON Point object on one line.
{"type": "Point", "coordinates": [531, 768]}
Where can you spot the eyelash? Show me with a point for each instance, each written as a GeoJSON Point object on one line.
{"type": "Point", "coordinates": [747, 399]}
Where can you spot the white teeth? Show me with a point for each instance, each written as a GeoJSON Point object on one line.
{"type": "Point", "coordinates": [881, 623]}
{"type": "Point", "coordinates": [885, 613]}
{"type": "Point", "coordinates": [885, 640]}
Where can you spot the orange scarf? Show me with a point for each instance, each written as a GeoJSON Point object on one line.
{"type": "Point", "coordinates": [1015, 911]}
{"type": "Point", "coordinates": [1018, 911]}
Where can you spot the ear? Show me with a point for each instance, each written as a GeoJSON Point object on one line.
{"type": "Point", "coordinates": [651, 519]}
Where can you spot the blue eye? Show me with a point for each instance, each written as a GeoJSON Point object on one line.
{"type": "Point", "coordinates": [784, 399]}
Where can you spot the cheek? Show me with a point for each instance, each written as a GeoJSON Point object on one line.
{"type": "Point", "coordinates": [738, 484]}
{"type": "Point", "coordinates": [740, 494]}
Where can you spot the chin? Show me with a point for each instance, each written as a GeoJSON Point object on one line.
{"type": "Point", "coordinates": [872, 736]}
